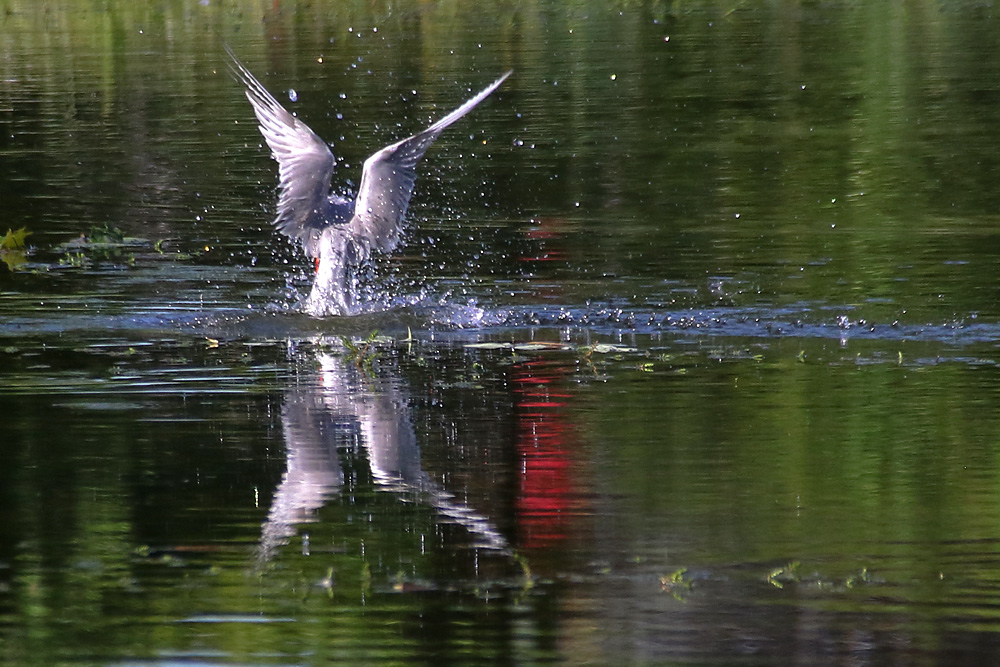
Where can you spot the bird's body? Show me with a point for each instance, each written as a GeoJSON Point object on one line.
{"type": "Point", "coordinates": [339, 234]}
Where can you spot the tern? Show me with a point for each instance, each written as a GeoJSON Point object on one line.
{"type": "Point", "coordinates": [339, 234]}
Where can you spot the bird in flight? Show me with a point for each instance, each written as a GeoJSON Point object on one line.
{"type": "Point", "coordinates": [337, 233]}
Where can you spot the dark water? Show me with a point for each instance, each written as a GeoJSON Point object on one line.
{"type": "Point", "coordinates": [690, 355]}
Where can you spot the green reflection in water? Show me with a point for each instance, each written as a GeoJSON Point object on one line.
{"type": "Point", "coordinates": [843, 155]}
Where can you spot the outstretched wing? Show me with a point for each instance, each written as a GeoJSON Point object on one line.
{"type": "Point", "coordinates": [305, 163]}
{"type": "Point", "coordinates": [388, 177]}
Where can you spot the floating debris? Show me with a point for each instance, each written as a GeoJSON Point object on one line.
{"type": "Point", "coordinates": [102, 243]}
{"type": "Point", "coordinates": [13, 250]}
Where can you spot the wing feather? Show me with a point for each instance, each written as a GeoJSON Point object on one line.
{"type": "Point", "coordinates": [305, 163]}
{"type": "Point", "coordinates": [388, 178]}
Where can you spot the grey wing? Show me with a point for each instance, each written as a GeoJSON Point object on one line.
{"type": "Point", "coordinates": [387, 181]}
{"type": "Point", "coordinates": [305, 164]}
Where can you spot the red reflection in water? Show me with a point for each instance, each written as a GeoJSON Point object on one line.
{"type": "Point", "coordinates": [547, 494]}
{"type": "Point", "coordinates": [547, 230]}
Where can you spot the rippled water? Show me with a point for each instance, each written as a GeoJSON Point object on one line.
{"type": "Point", "coordinates": [690, 355]}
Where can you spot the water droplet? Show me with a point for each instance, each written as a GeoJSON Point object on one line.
{"type": "Point", "coordinates": [292, 95]}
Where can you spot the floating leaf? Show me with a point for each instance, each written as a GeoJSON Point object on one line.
{"type": "Point", "coordinates": [12, 248]}
{"type": "Point", "coordinates": [536, 346]}
{"type": "Point", "coordinates": [606, 348]}
{"type": "Point", "coordinates": [14, 239]}
{"type": "Point", "coordinates": [489, 346]}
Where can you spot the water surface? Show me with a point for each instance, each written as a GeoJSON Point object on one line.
{"type": "Point", "coordinates": [689, 356]}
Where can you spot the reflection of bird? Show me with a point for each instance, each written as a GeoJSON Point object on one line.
{"type": "Point", "coordinates": [335, 414]}
{"type": "Point", "coordinates": [338, 233]}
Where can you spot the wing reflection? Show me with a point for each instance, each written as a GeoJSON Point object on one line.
{"type": "Point", "coordinates": [343, 411]}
